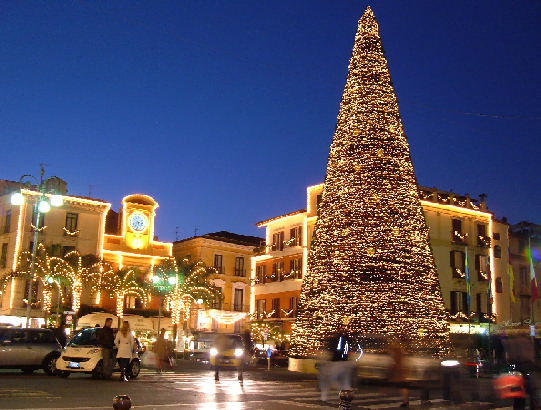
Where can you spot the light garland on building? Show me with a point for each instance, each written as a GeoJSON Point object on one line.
{"type": "Point", "coordinates": [67, 232]}
{"type": "Point", "coordinates": [370, 260]}
{"type": "Point", "coordinates": [226, 318]}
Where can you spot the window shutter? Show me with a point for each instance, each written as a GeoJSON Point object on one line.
{"type": "Point", "coordinates": [478, 263]}
{"type": "Point", "coordinates": [463, 261]}
{"type": "Point", "coordinates": [452, 254]}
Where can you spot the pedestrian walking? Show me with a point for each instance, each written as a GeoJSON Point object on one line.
{"type": "Point", "coordinates": [125, 343]}
{"type": "Point", "coordinates": [521, 355]}
{"type": "Point", "coordinates": [106, 340]}
{"type": "Point", "coordinates": [161, 351]}
{"type": "Point", "coordinates": [336, 369]}
{"type": "Point", "coordinates": [398, 371]}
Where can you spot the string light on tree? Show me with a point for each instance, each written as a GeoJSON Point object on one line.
{"type": "Point", "coordinates": [370, 259]}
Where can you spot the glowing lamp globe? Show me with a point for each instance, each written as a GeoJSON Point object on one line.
{"type": "Point", "coordinates": [17, 198]}
{"type": "Point", "coordinates": [199, 301]}
{"type": "Point", "coordinates": [56, 200]}
{"type": "Point", "coordinates": [44, 206]}
{"type": "Point", "coordinates": [172, 280]}
{"type": "Point", "coordinates": [155, 279]}
{"type": "Point", "coordinates": [49, 280]}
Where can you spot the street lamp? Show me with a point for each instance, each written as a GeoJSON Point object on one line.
{"type": "Point", "coordinates": [41, 206]}
{"type": "Point", "coordinates": [163, 283]}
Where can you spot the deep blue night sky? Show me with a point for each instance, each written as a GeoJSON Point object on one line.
{"type": "Point", "coordinates": [224, 111]}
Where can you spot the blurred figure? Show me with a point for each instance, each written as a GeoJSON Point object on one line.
{"type": "Point", "coordinates": [60, 334]}
{"type": "Point", "coordinates": [336, 370]}
{"type": "Point", "coordinates": [398, 371]}
{"type": "Point", "coordinates": [125, 343]}
{"type": "Point", "coordinates": [106, 340]}
{"type": "Point", "coordinates": [161, 351]}
{"type": "Point", "coordinates": [521, 355]}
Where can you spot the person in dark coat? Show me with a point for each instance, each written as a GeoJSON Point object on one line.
{"type": "Point", "coordinates": [106, 340]}
{"type": "Point", "coordinates": [60, 334]}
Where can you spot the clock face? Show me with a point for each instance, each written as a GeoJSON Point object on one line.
{"type": "Point", "coordinates": [138, 222]}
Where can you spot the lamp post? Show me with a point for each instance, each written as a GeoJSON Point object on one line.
{"type": "Point", "coordinates": [42, 205]}
{"type": "Point", "coordinates": [163, 282]}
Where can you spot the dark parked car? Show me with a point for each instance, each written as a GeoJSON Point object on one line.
{"type": "Point", "coordinates": [28, 349]}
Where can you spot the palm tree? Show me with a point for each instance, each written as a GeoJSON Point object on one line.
{"type": "Point", "coordinates": [182, 283]}
{"type": "Point", "coordinates": [97, 275]}
{"type": "Point", "coordinates": [124, 282]}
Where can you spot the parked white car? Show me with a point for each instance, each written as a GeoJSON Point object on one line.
{"type": "Point", "coordinates": [83, 355]}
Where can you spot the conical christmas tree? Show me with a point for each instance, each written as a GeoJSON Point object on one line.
{"type": "Point", "coordinates": [370, 268]}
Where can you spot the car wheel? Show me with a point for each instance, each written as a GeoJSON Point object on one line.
{"type": "Point", "coordinates": [49, 364]}
{"type": "Point", "coordinates": [28, 371]}
{"type": "Point", "coordinates": [97, 373]}
{"type": "Point", "coordinates": [134, 369]}
{"type": "Point", "coordinates": [64, 374]}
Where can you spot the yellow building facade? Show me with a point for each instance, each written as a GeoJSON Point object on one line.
{"type": "Point", "coordinates": [458, 225]}
{"type": "Point", "coordinates": [229, 254]}
{"type": "Point", "coordinates": [87, 225]}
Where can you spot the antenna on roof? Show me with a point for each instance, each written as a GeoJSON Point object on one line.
{"type": "Point", "coordinates": [195, 231]}
{"type": "Point", "coordinates": [177, 236]}
{"type": "Point", "coordinates": [90, 187]}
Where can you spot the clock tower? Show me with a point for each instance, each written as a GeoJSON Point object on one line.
{"type": "Point", "coordinates": [138, 213]}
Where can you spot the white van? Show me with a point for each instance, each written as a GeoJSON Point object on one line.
{"type": "Point", "coordinates": [83, 355]}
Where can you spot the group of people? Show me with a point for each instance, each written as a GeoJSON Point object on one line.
{"type": "Point", "coordinates": [123, 341]}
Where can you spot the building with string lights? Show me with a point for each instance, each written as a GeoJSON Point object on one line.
{"type": "Point", "coordinates": [82, 224]}
{"type": "Point", "coordinates": [230, 254]}
{"type": "Point", "coordinates": [458, 225]}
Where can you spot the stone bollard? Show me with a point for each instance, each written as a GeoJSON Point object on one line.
{"type": "Point", "coordinates": [346, 397]}
{"type": "Point", "coordinates": [122, 402]}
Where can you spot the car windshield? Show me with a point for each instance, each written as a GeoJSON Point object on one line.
{"type": "Point", "coordinates": [86, 337]}
{"type": "Point", "coordinates": [228, 342]}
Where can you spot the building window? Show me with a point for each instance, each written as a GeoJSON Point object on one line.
{"type": "Point", "coordinates": [523, 275]}
{"type": "Point", "coordinates": [261, 272]}
{"type": "Point", "coordinates": [71, 221]}
{"type": "Point", "coordinates": [318, 201]}
{"type": "Point", "coordinates": [41, 219]}
{"type": "Point", "coordinates": [497, 251]}
{"type": "Point", "coordinates": [278, 241]}
{"type": "Point", "coordinates": [239, 300]}
{"type": "Point", "coordinates": [261, 308]}
{"type": "Point", "coordinates": [274, 276]}
{"type": "Point", "coordinates": [481, 303]}
{"type": "Point", "coordinates": [458, 267]}
{"type": "Point", "coordinates": [217, 303]}
{"type": "Point", "coordinates": [482, 238]}
{"type": "Point", "coordinates": [293, 306]}
{"type": "Point", "coordinates": [295, 236]}
{"type": "Point", "coordinates": [521, 245]}
{"type": "Point", "coordinates": [7, 222]}
{"type": "Point", "coordinates": [459, 302]}
{"type": "Point", "coordinates": [276, 307]}
{"type": "Point", "coordinates": [34, 293]}
{"type": "Point", "coordinates": [295, 269]}
{"type": "Point", "coordinates": [482, 267]}
{"type": "Point", "coordinates": [499, 286]}
{"type": "Point", "coordinates": [496, 236]}
{"type": "Point", "coordinates": [218, 259]}
{"type": "Point", "coordinates": [239, 266]}
{"type": "Point", "coordinates": [4, 255]}
{"type": "Point", "coordinates": [457, 235]}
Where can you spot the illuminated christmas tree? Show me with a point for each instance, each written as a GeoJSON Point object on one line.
{"type": "Point", "coordinates": [370, 268]}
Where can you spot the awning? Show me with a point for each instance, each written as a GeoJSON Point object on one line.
{"type": "Point", "coordinates": [96, 318]}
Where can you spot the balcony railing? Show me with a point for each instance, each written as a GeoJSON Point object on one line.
{"type": "Point", "coordinates": [220, 269]}
{"type": "Point", "coordinates": [232, 307]}
{"type": "Point", "coordinates": [459, 273]}
{"type": "Point", "coordinates": [459, 237]}
{"type": "Point", "coordinates": [240, 272]}
{"type": "Point", "coordinates": [483, 241]}
{"type": "Point", "coordinates": [294, 274]}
